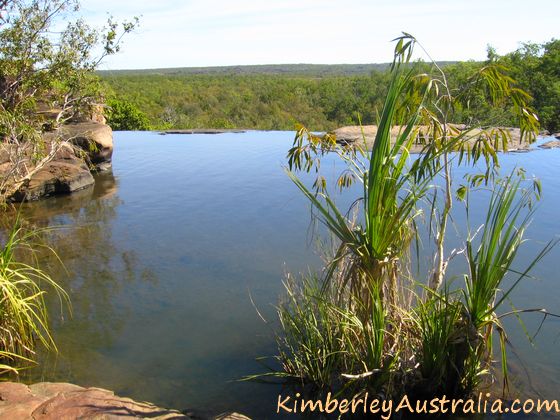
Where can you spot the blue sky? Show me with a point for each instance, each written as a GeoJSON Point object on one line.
{"type": "Point", "coordinates": [190, 33]}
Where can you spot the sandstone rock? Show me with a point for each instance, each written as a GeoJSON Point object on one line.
{"type": "Point", "coordinates": [557, 135]}
{"type": "Point", "coordinates": [67, 172]}
{"type": "Point", "coordinates": [232, 416]}
{"type": "Point", "coordinates": [50, 389]}
{"type": "Point", "coordinates": [94, 138]}
{"type": "Point", "coordinates": [553, 144]}
{"type": "Point", "coordinates": [355, 134]}
{"type": "Point", "coordinates": [59, 401]}
{"type": "Point", "coordinates": [57, 177]}
{"type": "Point", "coordinates": [366, 135]}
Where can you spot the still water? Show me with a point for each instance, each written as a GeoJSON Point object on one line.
{"type": "Point", "coordinates": [169, 255]}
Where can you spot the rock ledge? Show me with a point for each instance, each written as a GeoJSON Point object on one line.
{"type": "Point", "coordinates": [63, 401]}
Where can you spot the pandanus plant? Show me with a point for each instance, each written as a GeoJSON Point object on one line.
{"type": "Point", "coordinates": [365, 317]}
{"type": "Point", "coordinates": [371, 246]}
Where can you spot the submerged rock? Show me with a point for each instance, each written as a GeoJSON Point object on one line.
{"type": "Point", "coordinates": [202, 131]}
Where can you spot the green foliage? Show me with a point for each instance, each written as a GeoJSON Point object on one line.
{"type": "Point", "coordinates": [268, 102]}
{"type": "Point", "coordinates": [327, 97]}
{"type": "Point", "coordinates": [375, 246]}
{"type": "Point", "coordinates": [440, 336]}
{"type": "Point", "coordinates": [311, 347]}
{"type": "Point", "coordinates": [365, 324]}
{"type": "Point", "coordinates": [42, 71]}
{"type": "Point", "coordinates": [322, 338]}
{"type": "Point", "coordinates": [46, 77]}
{"type": "Point", "coordinates": [122, 115]}
{"type": "Point", "coordinates": [55, 69]}
{"type": "Point", "coordinates": [537, 69]}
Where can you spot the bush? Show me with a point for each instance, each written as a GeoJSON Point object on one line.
{"type": "Point", "coordinates": [125, 116]}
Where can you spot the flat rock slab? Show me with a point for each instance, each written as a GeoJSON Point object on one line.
{"type": "Point", "coordinates": [57, 177]}
{"type": "Point", "coordinates": [63, 401]}
{"type": "Point", "coordinates": [365, 136]}
{"type": "Point", "coordinates": [553, 144]}
{"type": "Point", "coordinates": [202, 131]}
{"type": "Point", "coordinates": [60, 401]}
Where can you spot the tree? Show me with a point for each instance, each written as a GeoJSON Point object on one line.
{"type": "Point", "coordinates": [42, 72]}
{"type": "Point", "coordinates": [123, 115]}
{"type": "Point", "coordinates": [537, 69]}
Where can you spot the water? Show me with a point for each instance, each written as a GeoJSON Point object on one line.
{"type": "Point", "coordinates": [169, 255]}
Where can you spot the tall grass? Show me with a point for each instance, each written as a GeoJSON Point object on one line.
{"type": "Point", "coordinates": [490, 262]}
{"type": "Point", "coordinates": [23, 311]}
{"type": "Point", "coordinates": [323, 336]}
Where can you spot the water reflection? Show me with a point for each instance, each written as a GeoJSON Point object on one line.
{"type": "Point", "coordinates": [96, 273]}
{"type": "Point", "coordinates": [164, 254]}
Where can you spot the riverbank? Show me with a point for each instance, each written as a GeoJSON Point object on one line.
{"type": "Point", "coordinates": [59, 401]}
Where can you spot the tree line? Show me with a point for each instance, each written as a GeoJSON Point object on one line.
{"type": "Point", "coordinates": [277, 98]}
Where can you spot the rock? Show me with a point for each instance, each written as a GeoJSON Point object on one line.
{"type": "Point", "coordinates": [557, 135]}
{"type": "Point", "coordinates": [67, 171]}
{"type": "Point", "coordinates": [355, 134]}
{"type": "Point", "coordinates": [64, 175]}
{"type": "Point", "coordinates": [553, 144]}
{"type": "Point", "coordinates": [48, 389]}
{"type": "Point", "coordinates": [59, 401]}
{"type": "Point", "coordinates": [94, 138]}
{"type": "Point", "coordinates": [366, 135]}
{"type": "Point", "coordinates": [202, 131]}
{"type": "Point", "coordinates": [232, 416]}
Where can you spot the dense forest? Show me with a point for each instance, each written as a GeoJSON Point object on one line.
{"type": "Point", "coordinates": [322, 97]}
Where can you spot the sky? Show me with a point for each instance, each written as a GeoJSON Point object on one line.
{"type": "Point", "coordinates": [193, 33]}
